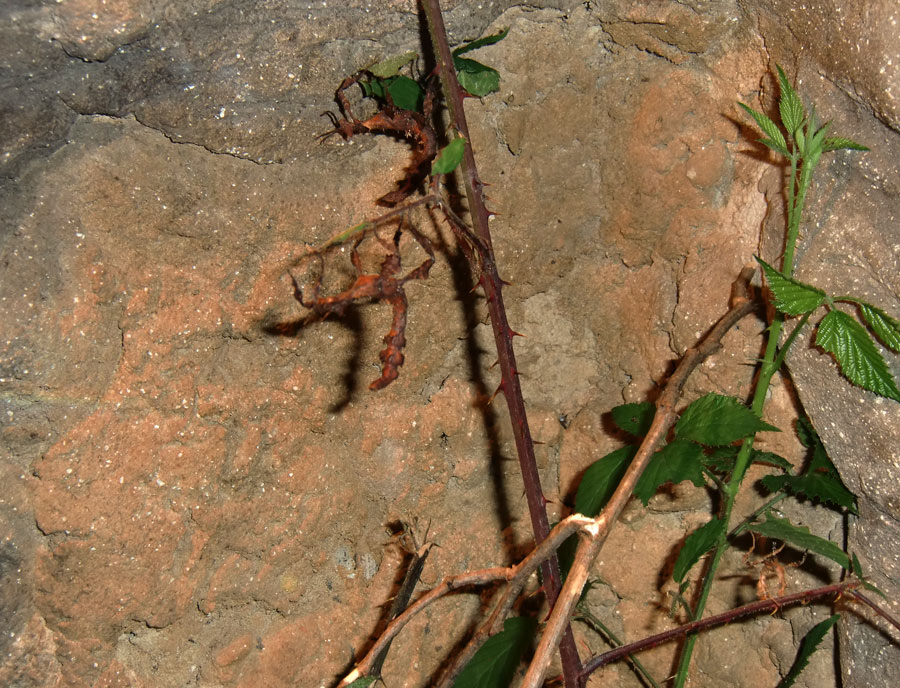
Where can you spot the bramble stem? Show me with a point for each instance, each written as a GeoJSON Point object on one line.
{"type": "Point", "coordinates": [491, 284]}
{"type": "Point", "coordinates": [694, 627]}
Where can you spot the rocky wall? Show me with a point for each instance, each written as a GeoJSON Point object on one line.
{"type": "Point", "coordinates": [195, 492]}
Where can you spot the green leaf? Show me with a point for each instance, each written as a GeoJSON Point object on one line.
{"type": "Point", "coordinates": [723, 458]}
{"type": "Point", "coordinates": [833, 143]}
{"type": "Point", "coordinates": [635, 419]}
{"type": "Point", "coordinates": [392, 65]}
{"type": "Point", "coordinates": [775, 139]}
{"type": "Point", "coordinates": [676, 462]}
{"type": "Point", "coordinates": [791, 297]}
{"type": "Point", "coordinates": [477, 79]}
{"type": "Point", "coordinates": [821, 481]}
{"type": "Point", "coordinates": [695, 546]}
{"type": "Point", "coordinates": [789, 105]}
{"type": "Point", "coordinates": [808, 646]}
{"type": "Point", "coordinates": [855, 566]}
{"type": "Point", "coordinates": [819, 487]}
{"type": "Point", "coordinates": [405, 93]}
{"type": "Point", "coordinates": [800, 537]}
{"type": "Point", "coordinates": [449, 158]}
{"type": "Point", "coordinates": [363, 682]}
{"type": "Point", "coordinates": [884, 326]}
{"type": "Point", "coordinates": [860, 361]}
{"type": "Point", "coordinates": [481, 42]}
{"type": "Point", "coordinates": [601, 479]}
{"type": "Point", "coordinates": [716, 420]}
{"type": "Point", "coordinates": [495, 663]}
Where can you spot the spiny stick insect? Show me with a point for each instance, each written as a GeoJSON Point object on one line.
{"type": "Point", "coordinates": [386, 285]}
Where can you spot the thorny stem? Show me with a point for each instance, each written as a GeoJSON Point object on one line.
{"type": "Point", "coordinates": [491, 283]}
{"type": "Point", "coordinates": [695, 627]}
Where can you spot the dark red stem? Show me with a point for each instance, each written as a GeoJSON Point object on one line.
{"type": "Point", "coordinates": [503, 334]}
{"type": "Point", "coordinates": [772, 605]}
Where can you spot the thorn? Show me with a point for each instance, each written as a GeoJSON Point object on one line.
{"type": "Point", "coordinates": [492, 213]}
{"type": "Point", "coordinates": [504, 283]}
{"type": "Point", "coordinates": [492, 365]}
{"type": "Point", "coordinates": [494, 395]}
{"type": "Point", "coordinates": [513, 333]}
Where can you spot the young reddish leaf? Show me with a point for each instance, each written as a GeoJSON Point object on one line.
{"type": "Point", "coordinates": [635, 419]}
{"type": "Point", "coordinates": [791, 297]}
{"type": "Point", "coordinates": [716, 420]}
{"type": "Point", "coordinates": [495, 663]}
{"type": "Point", "coordinates": [800, 537]}
{"type": "Point", "coordinates": [695, 546]}
{"type": "Point", "coordinates": [601, 479]}
{"type": "Point", "coordinates": [860, 361]}
{"type": "Point", "coordinates": [449, 158]}
{"type": "Point", "coordinates": [676, 462]}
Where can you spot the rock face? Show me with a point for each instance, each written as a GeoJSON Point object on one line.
{"type": "Point", "coordinates": [194, 491]}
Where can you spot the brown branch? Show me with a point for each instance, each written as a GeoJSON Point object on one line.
{"type": "Point", "coordinates": [491, 283]}
{"type": "Point", "coordinates": [517, 576]}
{"type": "Point", "coordinates": [594, 536]}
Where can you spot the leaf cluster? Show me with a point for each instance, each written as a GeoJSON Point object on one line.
{"type": "Point", "coordinates": [703, 451]}
{"type": "Point", "coordinates": [805, 138]}
{"type": "Point", "coordinates": [850, 340]}
{"type": "Point", "coordinates": [409, 94]}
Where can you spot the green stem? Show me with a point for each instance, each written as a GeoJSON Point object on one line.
{"type": "Point", "coordinates": [773, 359]}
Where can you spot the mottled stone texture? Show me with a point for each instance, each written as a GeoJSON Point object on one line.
{"type": "Point", "coordinates": [194, 494]}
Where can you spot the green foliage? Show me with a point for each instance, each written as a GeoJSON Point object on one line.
{"type": "Point", "coordinates": [840, 334]}
{"type": "Point", "coordinates": [392, 66]}
{"type": "Point", "coordinates": [409, 94]}
{"type": "Point", "coordinates": [678, 461]}
{"type": "Point", "coordinates": [635, 419]}
{"type": "Point", "coordinates": [791, 297]}
{"type": "Point", "coordinates": [405, 93]}
{"type": "Point", "coordinates": [601, 479]}
{"type": "Point", "coordinates": [495, 662]}
{"type": "Point", "coordinates": [773, 138]}
{"type": "Point", "coordinates": [717, 420]}
{"type": "Point", "coordinates": [800, 537]}
{"type": "Point", "coordinates": [695, 546]}
{"type": "Point", "coordinates": [477, 79]}
{"type": "Point", "coordinates": [860, 361]}
{"type": "Point", "coordinates": [884, 326]}
{"type": "Point", "coordinates": [450, 157]}
{"type": "Point", "coordinates": [722, 459]}
{"type": "Point", "coordinates": [808, 646]}
{"type": "Point", "coordinates": [820, 481]}
{"type": "Point", "coordinates": [363, 682]}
